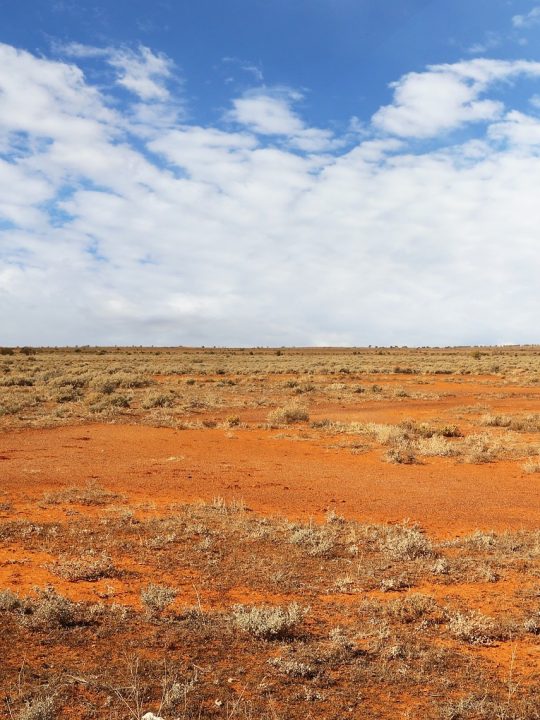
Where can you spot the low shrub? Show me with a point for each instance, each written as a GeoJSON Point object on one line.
{"type": "Point", "coordinates": [38, 709]}
{"type": "Point", "coordinates": [158, 400]}
{"type": "Point", "coordinates": [474, 628]}
{"type": "Point", "coordinates": [89, 568]}
{"type": "Point", "coordinates": [157, 598]}
{"type": "Point", "coordinates": [51, 611]}
{"type": "Point", "coordinates": [268, 623]}
{"type": "Point", "coordinates": [288, 415]}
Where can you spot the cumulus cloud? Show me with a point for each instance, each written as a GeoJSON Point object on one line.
{"type": "Point", "coordinates": [517, 129]}
{"type": "Point", "coordinates": [447, 97]}
{"type": "Point", "coordinates": [271, 113]}
{"type": "Point", "coordinates": [122, 223]}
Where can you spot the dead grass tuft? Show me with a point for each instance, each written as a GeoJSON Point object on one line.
{"type": "Point", "coordinates": [92, 494]}
{"type": "Point", "coordinates": [38, 709]}
{"type": "Point", "coordinates": [50, 611]}
{"type": "Point", "coordinates": [268, 623]}
{"type": "Point", "coordinates": [474, 628]}
{"type": "Point", "coordinates": [288, 415]}
{"type": "Point", "coordinates": [532, 465]}
{"type": "Point", "coordinates": [157, 598]}
{"type": "Point", "coordinates": [88, 568]}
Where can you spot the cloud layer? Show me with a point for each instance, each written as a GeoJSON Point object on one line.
{"type": "Point", "coordinates": [123, 222]}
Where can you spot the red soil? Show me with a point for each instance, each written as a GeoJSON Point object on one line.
{"type": "Point", "coordinates": [273, 474]}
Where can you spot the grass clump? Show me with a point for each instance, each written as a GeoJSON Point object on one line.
{"type": "Point", "coordinates": [88, 569]}
{"type": "Point", "coordinates": [158, 400]}
{"type": "Point", "coordinates": [532, 465]}
{"type": "Point", "coordinates": [317, 541]}
{"type": "Point", "coordinates": [386, 434]}
{"type": "Point", "coordinates": [524, 423]}
{"type": "Point", "coordinates": [9, 601]}
{"type": "Point", "coordinates": [481, 448]}
{"type": "Point", "coordinates": [51, 611]}
{"type": "Point", "coordinates": [402, 453]}
{"type": "Point", "coordinates": [474, 628]}
{"type": "Point", "coordinates": [105, 386]}
{"type": "Point", "coordinates": [288, 415]}
{"type": "Point", "coordinates": [268, 623]}
{"type": "Point", "coordinates": [92, 494]}
{"type": "Point", "coordinates": [38, 709]}
{"type": "Point", "coordinates": [157, 598]}
{"type": "Point", "coordinates": [436, 446]}
{"type": "Point", "coordinates": [293, 668]}
{"type": "Point", "coordinates": [412, 608]}
{"type": "Point", "coordinates": [402, 542]}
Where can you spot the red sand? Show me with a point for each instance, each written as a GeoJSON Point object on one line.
{"type": "Point", "coordinates": [272, 474]}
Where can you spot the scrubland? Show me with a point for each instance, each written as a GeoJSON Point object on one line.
{"type": "Point", "coordinates": [270, 534]}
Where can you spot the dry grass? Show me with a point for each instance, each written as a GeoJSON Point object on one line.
{"type": "Point", "coordinates": [213, 389]}
{"type": "Point", "coordinates": [88, 568]}
{"type": "Point", "coordinates": [523, 423]}
{"type": "Point", "coordinates": [532, 465]}
{"type": "Point", "coordinates": [288, 415]}
{"type": "Point", "coordinates": [157, 598]}
{"type": "Point", "coordinates": [75, 385]}
{"type": "Point", "coordinates": [474, 628]}
{"type": "Point", "coordinates": [208, 618]}
{"type": "Point", "coordinates": [414, 640]}
{"type": "Point", "coordinates": [92, 494]}
{"type": "Point", "coordinates": [38, 709]}
{"type": "Point", "coordinates": [268, 623]}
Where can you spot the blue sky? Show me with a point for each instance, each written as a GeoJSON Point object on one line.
{"type": "Point", "coordinates": [343, 53]}
{"type": "Point", "coordinates": [269, 172]}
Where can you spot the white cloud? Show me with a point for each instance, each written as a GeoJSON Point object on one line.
{"type": "Point", "coordinates": [518, 129]}
{"type": "Point", "coordinates": [143, 73]}
{"type": "Point", "coordinates": [213, 235]}
{"type": "Point", "coordinates": [267, 115]}
{"type": "Point", "coordinates": [140, 71]}
{"type": "Point", "coordinates": [271, 113]}
{"type": "Point", "coordinates": [446, 97]}
{"type": "Point", "coordinates": [528, 20]}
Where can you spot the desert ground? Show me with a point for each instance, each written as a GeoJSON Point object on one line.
{"type": "Point", "coordinates": [270, 534]}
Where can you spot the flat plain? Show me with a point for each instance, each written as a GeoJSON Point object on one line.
{"type": "Point", "coordinates": [270, 533]}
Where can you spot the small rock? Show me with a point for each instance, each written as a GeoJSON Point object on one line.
{"type": "Point", "coordinates": [151, 716]}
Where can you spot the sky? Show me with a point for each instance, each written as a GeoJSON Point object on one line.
{"type": "Point", "coordinates": [269, 172]}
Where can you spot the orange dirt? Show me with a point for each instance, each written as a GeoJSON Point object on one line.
{"type": "Point", "coordinates": [271, 473]}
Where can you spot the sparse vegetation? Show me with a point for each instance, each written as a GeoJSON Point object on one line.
{"type": "Point", "coordinates": [474, 628]}
{"type": "Point", "coordinates": [38, 709]}
{"type": "Point", "coordinates": [209, 610]}
{"type": "Point", "coordinates": [532, 465]}
{"type": "Point", "coordinates": [90, 495]}
{"type": "Point", "coordinates": [430, 633]}
{"type": "Point", "coordinates": [50, 610]}
{"type": "Point", "coordinates": [268, 623]}
{"type": "Point", "coordinates": [157, 598]}
{"type": "Point", "coordinates": [87, 568]}
{"type": "Point", "coordinates": [287, 415]}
